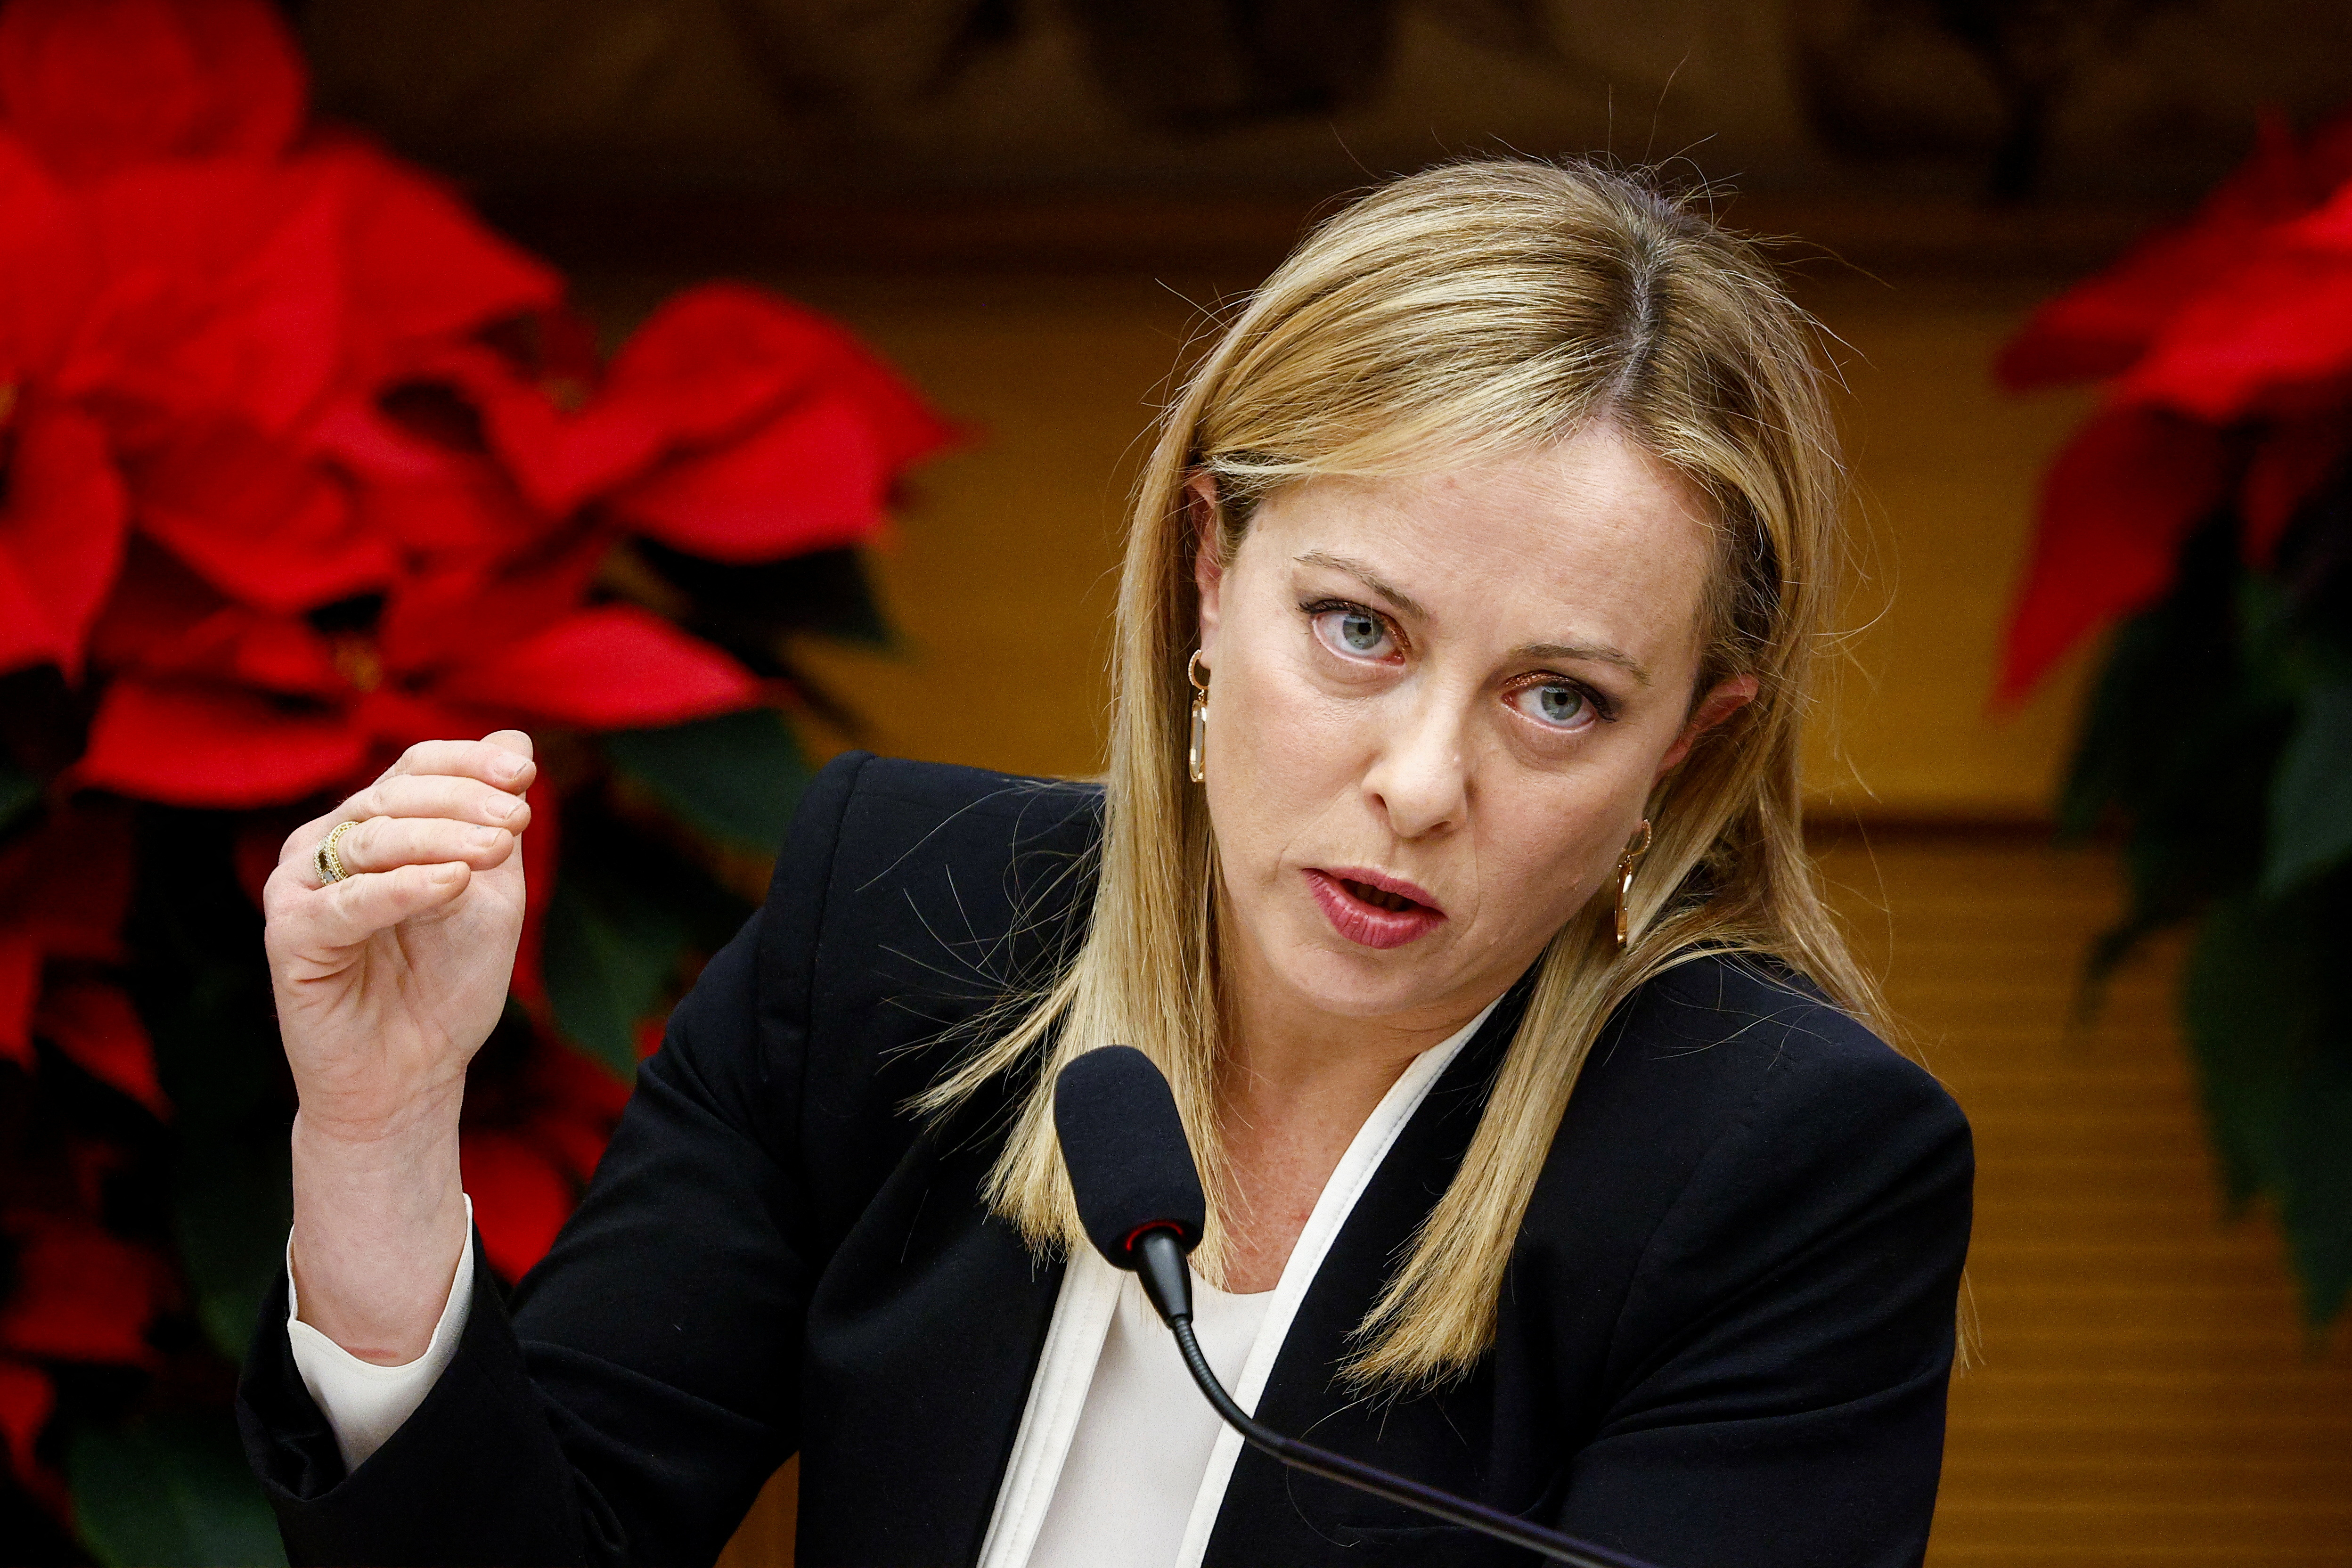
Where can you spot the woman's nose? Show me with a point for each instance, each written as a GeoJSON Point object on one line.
{"type": "Point", "coordinates": [1419, 777]}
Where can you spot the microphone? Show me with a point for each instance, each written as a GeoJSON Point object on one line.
{"type": "Point", "coordinates": [1140, 1199]}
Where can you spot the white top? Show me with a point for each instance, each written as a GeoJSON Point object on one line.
{"type": "Point", "coordinates": [1062, 1495]}
{"type": "Point", "coordinates": [1118, 1458]}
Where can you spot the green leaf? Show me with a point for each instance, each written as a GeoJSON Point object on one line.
{"type": "Point", "coordinates": [18, 791]}
{"type": "Point", "coordinates": [2272, 1046]}
{"type": "Point", "coordinates": [2248, 1009]}
{"type": "Point", "coordinates": [736, 777]}
{"type": "Point", "coordinates": [609, 954]}
{"type": "Point", "coordinates": [2316, 1211]}
{"type": "Point", "coordinates": [232, 1204]}
{"type": "Point", "coordinates": [2311, 794]}
{"type": "Point", "coordinates": [168, 1492]}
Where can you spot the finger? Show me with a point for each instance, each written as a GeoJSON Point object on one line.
{"type": "Point", "coordinates": [465, 803]}
{"type": "Point", "coordinates": [388, 843]}
{"type": "Point", "coordinates": [438, 794]}
{"type": "Point", "coordinates": [352, 910]}
{"type": "Point", "coordinates": [516, 740]}
{"type": "Point", "coordinates": [502, 758]}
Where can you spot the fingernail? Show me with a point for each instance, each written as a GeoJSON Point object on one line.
{"type": "Point", "coordinates": [505, 809]}
{"type": "Point", "coordinates": [488, 837]}
{"type": "Point", "coordinates": [509, 767]}
{"type": "Point", "coordinates": [444, 875]}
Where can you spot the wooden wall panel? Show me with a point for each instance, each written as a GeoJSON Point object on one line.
{"type": "Point", "coordinates": [2145, 1391]}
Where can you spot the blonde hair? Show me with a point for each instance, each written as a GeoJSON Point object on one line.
{"type": "Point", "coordinates": [1477, 310]}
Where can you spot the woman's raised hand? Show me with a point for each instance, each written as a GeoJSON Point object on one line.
{"type": "Point", "coordinates": [388, 981]}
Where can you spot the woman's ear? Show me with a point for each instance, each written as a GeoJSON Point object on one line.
{"type": "Point", "coordinates": [1208, 572]}
{"type": "Point", "coordinates": [1728, 696]}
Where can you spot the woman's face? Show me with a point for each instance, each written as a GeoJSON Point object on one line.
{"type": "Point", "coordinates": [1437, 707]}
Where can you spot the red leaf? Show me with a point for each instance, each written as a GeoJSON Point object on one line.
{"type": "Point", "coordinates": [48, 265]}
{"type": "Point", "coordinates": [716, 359]}
{"type": "Point", "coordinates": [612, 667]}
{"type": "Point", "coordinates": [2101, 326]}
{"type": "Point", "coordinates": [455, 615]}
{"type": "Point", "coordinates": [711, 365]}
{"type": "Point", "coordinates": [97, 84]}
{"type": "Point", "coordinates": [2282, 322]}
{"type": "Point", "coordinates": [395, 719]}
{"type": "Point", "coordinates": [61, 536]}
{"type": "Point", "coordinates": [472, 514]}
{"type": "Point", "coordinates": [260, 521]}
{"type": "Point", "coordinates": [162, 621]}
{"type": "Point", "coordinates": [189, 744]}
{"type": "Point", "coordinates": [814, 479]}
{"type": "Point", "coordinates": [26, 1399]}
{"type": "Point", "coordinates": [2287, 468]}
{"type": "Point", "coordinates": [81, 1295]}
{"type": "Point", "coordinates": [223, 295]}
{"type": "Point", "coordinates": [520, 1199]}
{"type": "Point", "coordinates": [20, 983]}
{"type": "Point", "coordinates": [65, 889]}
{"type": "Point", "coordinates": [2114, 509]}
{"type": "Point", "coordinates": [98, 1030]}
{"type": "Point", "coordinates": [422, 267]}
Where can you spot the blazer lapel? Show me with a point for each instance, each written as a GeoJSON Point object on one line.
{"type": "Point", "coordinates": [922, 1337]}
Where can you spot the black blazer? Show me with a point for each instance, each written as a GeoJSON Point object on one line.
{"type": "Point", "coordinates": [1724, 1340]}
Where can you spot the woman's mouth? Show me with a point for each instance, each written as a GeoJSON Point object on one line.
{"type": "Point", "coordinates": [1373, 910]}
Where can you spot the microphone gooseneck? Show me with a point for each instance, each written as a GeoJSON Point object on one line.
{"type": "Point", "coordinates": [1139, 1195]}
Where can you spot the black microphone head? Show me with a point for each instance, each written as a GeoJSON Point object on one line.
{"type": "Point", "coordinates": [1130, 1164]}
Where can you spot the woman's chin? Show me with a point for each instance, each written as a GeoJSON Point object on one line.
{"type": "Point", "coordinates": [1348, 980]}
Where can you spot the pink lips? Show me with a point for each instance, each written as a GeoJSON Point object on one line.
{"type": "Point", "coordinates": [1341, 893]}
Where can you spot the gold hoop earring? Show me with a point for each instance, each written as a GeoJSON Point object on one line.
{"type": "Point", "coordinates": [1625, 864]}
{"type": "Point", "coordinates": [1196, 757]}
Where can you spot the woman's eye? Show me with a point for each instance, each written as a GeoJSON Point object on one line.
{"type": "Point", "coordinates": [1560, 707]}
{"type": "Point", "coordinates": [1359, 634]}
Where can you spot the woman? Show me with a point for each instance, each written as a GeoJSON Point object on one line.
{"type": "Point", "coordinates": [1468, 620]}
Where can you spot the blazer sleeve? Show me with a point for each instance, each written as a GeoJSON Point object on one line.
{"type": "Point", "coordinates": [1779, 1367]}
{"type": "Point", "coordinates": [645, 1384]}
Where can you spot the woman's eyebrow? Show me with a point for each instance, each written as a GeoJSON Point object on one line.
{"type": "Point", "coordinates": [1369, 578]}
{"type": "Point", "coordinates": [1598, 652]}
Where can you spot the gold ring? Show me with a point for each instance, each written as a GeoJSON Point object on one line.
{"type": "Point", "coordinates": [324, 860]}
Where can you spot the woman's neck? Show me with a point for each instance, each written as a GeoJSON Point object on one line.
{"type": "Point", "coordinates": [1298, 1085]}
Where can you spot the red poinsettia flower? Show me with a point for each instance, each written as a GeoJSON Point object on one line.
{"type": "Point", "coordinates": [184, 376]}
{"type": "Point", "coordinates": [100, 84]}
{"type": "Point", "coordinates": [299, 464]}
{"type": "Point", "coordinates": [235, 708]}
{"type": "Point", "coordinates": [732, 425]}
{"type": "Point", "coordinates": [2101, 327]}
{"type": "Point", "coordinates": [2229, 342]}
